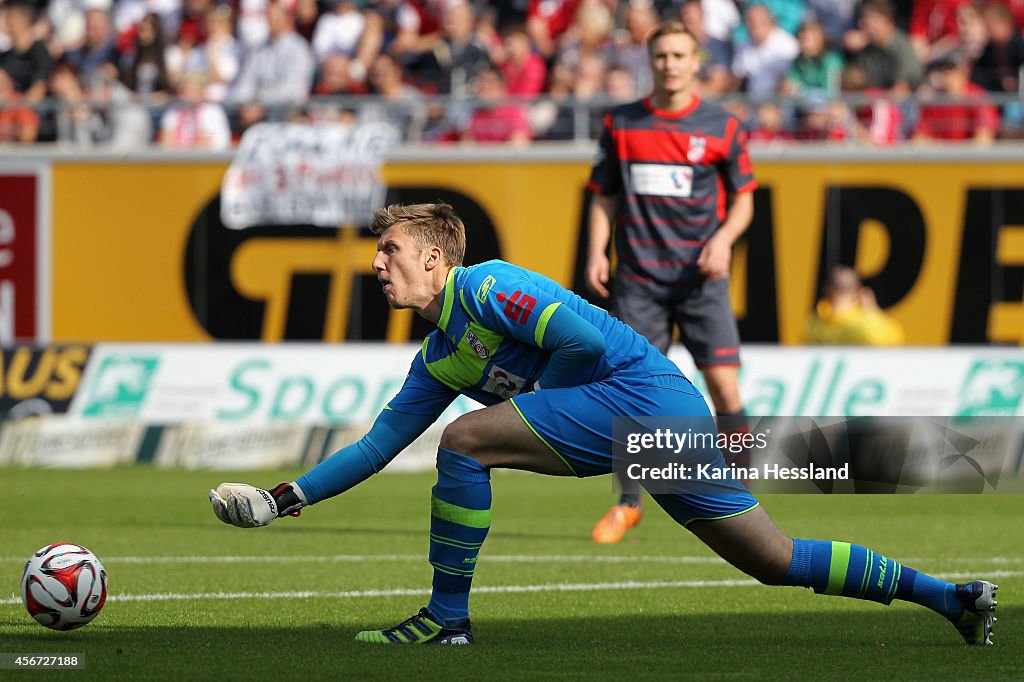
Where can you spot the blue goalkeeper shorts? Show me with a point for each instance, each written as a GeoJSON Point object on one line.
{"type": "Point", "coordinates": [577, 424]}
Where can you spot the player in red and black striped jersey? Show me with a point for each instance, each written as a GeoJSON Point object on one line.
{"type": "Point", "coordinates": [675, 172]}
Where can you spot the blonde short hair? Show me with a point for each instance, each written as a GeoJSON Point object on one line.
{"type": "Point", "coordinates": [429, 224]}
{"type": "Point", "coordinates": [668, 28]}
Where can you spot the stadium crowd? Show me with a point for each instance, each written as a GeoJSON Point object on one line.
{"type": "Point", "coordinates": [197, 73]}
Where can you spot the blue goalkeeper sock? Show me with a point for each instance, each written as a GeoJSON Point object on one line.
{"type": "Point", "coordinates": [854, 571]}
{"type": "Point", "coordinates": [460, 516]}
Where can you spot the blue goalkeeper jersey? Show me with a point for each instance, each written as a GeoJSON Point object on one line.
{"type": "Point", "coordinates": [502, 331]}
{"type": "Point", "coordinates": [495, 340]}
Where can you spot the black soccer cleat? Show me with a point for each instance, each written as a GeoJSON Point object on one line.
{"type": "Point", "coordinates": [422, 628]}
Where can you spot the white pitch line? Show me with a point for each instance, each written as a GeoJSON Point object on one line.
{"type": "Point", "coordinates": [976, 575]}
{"type": "Point", "coordinates": [412, 592]}
{"type": "Point", "coordinates": [484, 589]}
{"type": "Point", "coordinates": [489, 558]}
{"type": "Point", "coordinates": [362, 558]}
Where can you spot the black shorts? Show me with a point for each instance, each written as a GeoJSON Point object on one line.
{"type": "Point", "coordinates": [702, 312]}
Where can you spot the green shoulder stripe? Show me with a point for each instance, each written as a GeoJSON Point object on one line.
{"type": "Point", "coordinates": [449, 300]}
{"type": "Point", "coordinates": [542, 323]}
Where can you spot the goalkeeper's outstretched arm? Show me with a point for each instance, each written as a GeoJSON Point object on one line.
{"type": "Point", "coordinates": [391, 433]}
{"type": "Point", "coordinates": [417, 405]}
{"type": "Point", "coordinates": [246, 506]}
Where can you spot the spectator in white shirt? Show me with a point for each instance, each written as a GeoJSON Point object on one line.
{"type": "Point", "coordinates": [721, 17]}
{"type": "Point", "coordinates": [763, 59]}
{"type": "Point", "coordinates": [339, 30]}
{"type": "Point", "coordinates": [278, 73]}
{"type": "Point", "coordinates": [192, 122]}
{"type": "Point", "coordinates": [219, 58]}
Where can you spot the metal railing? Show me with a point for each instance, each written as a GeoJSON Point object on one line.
{"type": "Point", "coordinates": [439, 119]}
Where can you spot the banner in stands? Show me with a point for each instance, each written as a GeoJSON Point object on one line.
{"type": "Point", "coordinates": [35, 381]}
{"type": "Point", "coordinates": [941, 243]}
{"type": "Point", "coordinates": [239, 405]}
{"type": "Point", "coordinates": [225, 446]}
{"type": "Point", "coordinates": [350, 384]}
{"type": "Point", "coordinates": [24, 253]}
{"type": "Point", "coordinates": [245, 383]}
{"type": "Point", "coordinates": [60, 441]}
{"type": "Point", "coordinates": [898, 382]}
{"type": "Point", "coordinates": [324, 174]}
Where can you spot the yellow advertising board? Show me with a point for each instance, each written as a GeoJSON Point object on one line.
{"type": "Point", "coordinates": [140, 253]}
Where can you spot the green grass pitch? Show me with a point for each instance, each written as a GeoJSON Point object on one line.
{"type": "Point", "coordinates": [195, 599]}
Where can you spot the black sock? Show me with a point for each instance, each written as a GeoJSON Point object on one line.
{"type": "Point", "coordinates": [629, 500]}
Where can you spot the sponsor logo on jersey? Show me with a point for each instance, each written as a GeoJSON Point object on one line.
{"type": "Point", "coordinates": [661, 180]}
{"type": "Point", "coordinates": [477, 345]}
{"type": "Point", "coordinates": [519, 305]}
{"type": "Point", "coordinates": [697, 150]}
{"type": "Point", "coordinates": [485, 288]}
{"type": "Point", "coordinates": [503, 383]}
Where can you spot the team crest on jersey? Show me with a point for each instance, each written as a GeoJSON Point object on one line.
{"type": "Point", "coordinates": [485, 288]}
{"type": "Point", "coordinates": [477, 345]}
{"type": "Point", "coordinates": [503, 383]}
{"type": "Point", "coordinates": [698, 147]}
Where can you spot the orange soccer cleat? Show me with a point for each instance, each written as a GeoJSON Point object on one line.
{"type": "Point", "coordinates": [615, 523]}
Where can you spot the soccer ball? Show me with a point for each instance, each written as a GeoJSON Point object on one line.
{"type": "Point", "coordinates": [64, 586]}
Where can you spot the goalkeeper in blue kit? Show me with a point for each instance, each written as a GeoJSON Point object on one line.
{"type": "Point", "coordinates": [553, 372]}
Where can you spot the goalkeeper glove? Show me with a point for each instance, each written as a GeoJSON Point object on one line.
{"type": "Point", "coordinates": [246, 506]}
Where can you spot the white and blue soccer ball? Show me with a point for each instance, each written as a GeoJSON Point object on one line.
{"type": "Point", "coordinates": [64, 586]}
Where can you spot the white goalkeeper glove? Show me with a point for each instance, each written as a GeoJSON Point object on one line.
{"type": "Point", "coordinates": [243, 505]}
